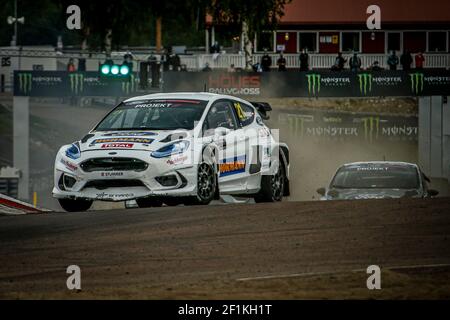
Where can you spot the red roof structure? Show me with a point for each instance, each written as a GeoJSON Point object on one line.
{"type": "Point", "coordinates": [354, 11]}
{"type": "Point", "coordinates": [305, 12]}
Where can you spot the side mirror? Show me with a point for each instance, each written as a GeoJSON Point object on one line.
{"type": "Point", "coordinates": [321, 191]}
{"type": "Point", "coordinates": [433, 193]}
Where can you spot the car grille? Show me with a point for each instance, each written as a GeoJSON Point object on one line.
{"type": "Point", "coordinates": [113, 183]}
{"type": "Point", "coordinates": [113, 164]}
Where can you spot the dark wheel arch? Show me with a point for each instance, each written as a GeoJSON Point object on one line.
{"type": "Point", "coordinates": [284, 157]}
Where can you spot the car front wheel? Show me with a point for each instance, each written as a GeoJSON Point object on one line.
{"type": "Point", "coordinates": [206, 186]}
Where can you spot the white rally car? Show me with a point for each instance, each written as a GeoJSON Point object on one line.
{"type": "Point", "coordinates": [174, 148]}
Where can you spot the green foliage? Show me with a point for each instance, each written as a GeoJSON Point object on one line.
{"type": "Point", "coordinates": [133, 21]}
{"type": "Point", "coordinates": [258, 14]}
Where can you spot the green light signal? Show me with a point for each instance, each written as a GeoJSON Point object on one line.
{"type": "Point", "coordinates": [105, 69]}
{"type": "Point", "coordinates": [111, 70]}
{"type": "Point", "coordinates": [124, 70]}
{"type": "Point", "coordinates": [115, 69]}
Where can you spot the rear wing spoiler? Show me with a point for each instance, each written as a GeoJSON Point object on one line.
{"type": "Point", "coordinates": [263, 109]}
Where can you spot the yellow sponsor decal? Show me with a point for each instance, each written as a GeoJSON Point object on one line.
{"type": "Point", "coordinates": [239, 111]}
{"type": "Point", "coordinates": [136, 140]}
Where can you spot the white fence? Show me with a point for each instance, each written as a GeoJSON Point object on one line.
{"type": "Point", "coordinates": [58, 61]}
{"type": "Point", "coordinates": [48, 59]}
{"type": "Point", "coordinates": [316, 61]}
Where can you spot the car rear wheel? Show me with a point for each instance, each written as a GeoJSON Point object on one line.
{"type": "Point", "coordinates": [272, 186]}
{"type": "Point", "coordinates": [149, 202]}
{"type": "Point", "coordinates": [75, 205]}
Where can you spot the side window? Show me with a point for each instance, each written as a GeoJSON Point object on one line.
{"type": "Point", "coordinates": [220, 115]}
{"type": "Point", "coordinates": [245, 113]}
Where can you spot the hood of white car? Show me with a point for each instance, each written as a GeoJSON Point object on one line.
{"type": "Point", "coordinates": [131, 140]}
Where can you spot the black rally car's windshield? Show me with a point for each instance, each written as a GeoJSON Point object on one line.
{"type": "Point", "coordinates": [377, 176]}
{"type": "Point", "coordinates": [161, 114]}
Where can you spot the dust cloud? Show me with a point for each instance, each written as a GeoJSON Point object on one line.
{"type": "Point", "coordinates": [320, 142]}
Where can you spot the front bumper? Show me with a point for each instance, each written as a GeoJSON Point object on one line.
{"type": "Point", "coordinates": [111, 185]}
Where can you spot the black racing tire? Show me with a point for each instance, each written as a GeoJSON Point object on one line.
{"type": "Point", "coordinates": [75, 205]}
{"type": "Point", "coordinates": [149, 202]}
{"type": "Point", "coordinates": [206, 186]}
{"type": "Point", "coordinates": [272, 186]}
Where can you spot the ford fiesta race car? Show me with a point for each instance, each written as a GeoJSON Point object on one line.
{"type": "Point", "coordinates": [179, 148]}
{"type": "Point", "coordinates": [378, 180]}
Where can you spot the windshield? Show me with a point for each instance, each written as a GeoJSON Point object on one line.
{"type": "Point", "coordinates": [158, 114]}
{"type": "Point", "coordinates": [376, 176]}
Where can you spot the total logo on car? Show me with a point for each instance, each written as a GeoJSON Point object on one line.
{"type": "Point", "coordinates": [174, 148]}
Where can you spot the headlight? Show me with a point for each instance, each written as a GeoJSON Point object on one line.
{"type": "Point", "coordinates": [171, 149]}
{"type": "Point", "coordinates": [73, 152]}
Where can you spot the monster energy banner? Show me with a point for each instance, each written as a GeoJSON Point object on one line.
{"type": "Point", "coordinates": [344, 126]}
{"type": "Point", "coordinates": [313, 83]}
{"type": "Point", "coordinates": [270, 84]}
{"type": "Point", "coordinates": [62, 83]}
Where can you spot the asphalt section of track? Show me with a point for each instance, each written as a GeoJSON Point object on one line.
{"type": "Point", "coordinates": [201, 252]}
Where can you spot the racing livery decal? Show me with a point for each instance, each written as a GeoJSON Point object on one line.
{"type": "Point", "coordinates": [69, 165]}
{"type": "Point", "coordinates": [153, 105]}
{"type": "Point", "coordinates": [113, 196]}
{"type": "Point", "coordinates": [124, 140]}
{"type": "Point", "coordinates": [232, 166]}
{"type": "Point", "coordinates": [177, 160]}
{"type": "Point", "coordinates": [117, 145]}
{"type": "Point", "coordinates": [111, 174]}
{"type": "Point", "coordinates": [129, 134]}
{"type": "Point", "coordinates": [239, 111]}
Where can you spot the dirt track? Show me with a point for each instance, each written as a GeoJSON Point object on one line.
{"type": "Point", "coordinates": [200, 252]}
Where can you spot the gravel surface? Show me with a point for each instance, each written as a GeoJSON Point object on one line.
{"type": "Point", "coordinates": [200, 252]}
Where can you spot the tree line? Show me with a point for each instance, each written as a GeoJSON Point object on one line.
{"type": "Point", "coordinates": [134, 22]}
